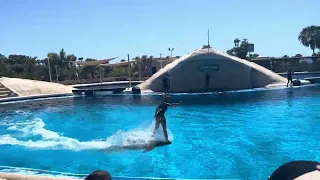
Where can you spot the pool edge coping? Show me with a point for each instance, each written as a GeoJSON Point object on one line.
{"type": "Point", "coordinates": [18, 176]}
{"type": "Point", "coordinates": [34, 97]}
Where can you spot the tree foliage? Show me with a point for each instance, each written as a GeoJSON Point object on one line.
{"type": "Point", "coordinates": [141, 64]}
{"type": "Point", "coordinates": [310, 37]}
{"type": "Point", "coordinates": [119, 72]}
{"type": "Point", "coordinates": [240, 49]}
{"type": "Point", "coordinates": [18, 66]}
{"type": "Point", "coordinates": [64, 66]}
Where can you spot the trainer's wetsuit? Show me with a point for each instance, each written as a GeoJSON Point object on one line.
{"type": "Point", "coordinates": [161, 119]}
{"type": "Point", "coordinates": [161, 110]}
{"type": "Point", "coordinates": [289, 77]}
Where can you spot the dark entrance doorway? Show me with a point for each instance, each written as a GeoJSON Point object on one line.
{"type": "Point", "coordinates": [154, 70]}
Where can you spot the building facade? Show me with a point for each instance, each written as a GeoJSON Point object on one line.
{"type": "Point", "coordinates": [297, 64]}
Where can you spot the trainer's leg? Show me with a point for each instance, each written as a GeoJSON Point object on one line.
{"type": "Point", "coordinates": [164, 127]}
{"type": "Point", "coordinates": [156, 127]}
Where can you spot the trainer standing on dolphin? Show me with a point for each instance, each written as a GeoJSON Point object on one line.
{"type": "Point", "coordinates": [160, 116]}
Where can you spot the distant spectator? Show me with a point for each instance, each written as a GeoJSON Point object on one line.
{"type": "Point", "coordinates": [99, 175]}
{"type": "Point", "coordinates": [297, 169]}
{"type": "Point", "coordinates": [207, 81]}
{"type": "Point", "coordinates": [289, 77]}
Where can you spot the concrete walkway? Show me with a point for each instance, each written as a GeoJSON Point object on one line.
{"type": "Point", "coordinates": [26, 87]}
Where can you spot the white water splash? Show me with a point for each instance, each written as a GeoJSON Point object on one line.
{"type": "Point", "coordinates": [54, 140]}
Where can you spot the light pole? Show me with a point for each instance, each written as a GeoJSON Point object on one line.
{"type": "Point", "coordinates": [160, 61]}
{"type": "Point", "coordinates": [171, 49]}
{"type": "Point", "coordinates": [139, 69]}
{"type": "Point", "coordinates": [129, 71]}
{"type": "Point", "coordinates": [100, 74]}
{"type": "Point", "coordinates": [56, 66]}
{"type": "Point", "coordinates": [77, 70]}
{"type": "Point", "coordinates": [49, 70]}
{"type": "Point", "coordinates": [208, 38]}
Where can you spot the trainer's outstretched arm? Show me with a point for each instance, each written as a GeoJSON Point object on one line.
{"type": "Point", "coordinates": [173, 104]}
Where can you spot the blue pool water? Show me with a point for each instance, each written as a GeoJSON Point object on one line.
{"type": "Point", "coordinates": [240, 135]}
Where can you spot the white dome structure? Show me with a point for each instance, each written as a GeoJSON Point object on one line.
{"type": "Point", "coordinates": [187, 74]}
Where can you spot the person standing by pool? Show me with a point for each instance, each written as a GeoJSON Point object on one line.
{"type": "Point", "coordinates": [160, 116]}
{"type": "Point", "coordinates": [207, 81]}
{"type": "Point", "coordinates": [165, 82]}
{"type": "Point", "coordinates": [289, 77]}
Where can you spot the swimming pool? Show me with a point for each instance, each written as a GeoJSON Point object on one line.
{"type": "Point", "coordinates": [239, 135]}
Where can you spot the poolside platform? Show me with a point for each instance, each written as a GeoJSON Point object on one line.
{"type": "Point", "coordinates": [106, 88]}
{"type": "Point", "coordinates": [106, 91]}
{"type": "Point", "coordinates": [14, 176]}
{"type": "Point", "coordinates": [97, 91]}
{"type": "Point", "coordinates": [114, 84]}
{"type": "Point", "coordinates": [313, 80]}
{"type": "Point", "coordinates": [27, 87]}
{"type": "Point", "coordinates": [300, 73]}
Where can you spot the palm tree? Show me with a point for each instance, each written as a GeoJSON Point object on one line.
{"type": "Point", "coordinates": [70, 60]}
{"type": "Point", "coordinates": [62, 60]}
{"type": "Point", "coordinates": [245, 41]}
{"type": "Point", "coordinates": [141, 64]}
{"type": "Point", "coordinates": [30, 67]}
{"type": "Point", "coordinates": [308, 36]}
{"type": "Point", "coordinates": [90, 69]}
{"type": "Point", "coordinates": [235, 50]}
{"type": "Point", "coordinates": [136, 64]}
{"type": "Point", "coordinates": [231, 52]}
{"type": "Point", "coordinates": [144, 57]}
{"type": "Point", "coordinates": [236, 42]}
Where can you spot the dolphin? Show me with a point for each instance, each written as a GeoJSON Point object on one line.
{"type": "Point", "coordinates": [142, 146]}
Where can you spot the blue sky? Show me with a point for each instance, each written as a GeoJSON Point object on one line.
{"type": "Point", "coordinates": [112, 28]}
